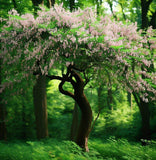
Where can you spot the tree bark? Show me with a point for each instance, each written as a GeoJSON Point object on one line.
{"type": "Point", "coordinates": [3, 130]}
{"type": "Point", "coordinates": [14, 3]}
{"type": "Point", "coordinates": [79, 96]}
{"type": "Point", "coordinates": [36, 4]}
{"type": "Point", "coordinates": [153, 20]}
{"type": "Point", "coordinates": [145, 116]}
{"type": "Point", "coordinates": [143, 106]}
{"type": "Point", "coordinates": [72, 5]}
{"type": "Point", "coordinates": [110, 99]}
{"type": "Point", "coordinates": [85, 123]}
{"type": "Point", "coordinates": [144, 8]}
{"type": "Point", "coordinates": [40, 105]}
{"type": "Point", "coordinates": [129, 99]}
{"type": "Point", "coordinates": [75, 122]}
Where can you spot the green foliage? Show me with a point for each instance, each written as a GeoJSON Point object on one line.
{"type": "Point", "coordinates": [123, 150]}
{"type": "Point", "coordinates": [122, 122]}
{"type": "Point", "coordinates": [111, 149]}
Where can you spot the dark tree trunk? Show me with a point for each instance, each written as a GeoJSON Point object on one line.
{"type": "Point", "coordinates": [72, 5]}
{"type": "Point", "coordinates": [78, 95]}
{"type": "Point", "coordinates": [85, 123]}
{"type": "Point", "coordinates": [145, 116]}
{"type": "Point", "coordinates": [75, 122]}
{"type": "Point", "coordinates": [36, 4]}
{"type": "Point", "coordinates": [3, 130]}
{"type": "Point", "coordinates": [110, 99]}
{"type": "Point", "coordinates": [153, 20]}
{"type": "Point", "coordinates": [40, 104]}
{"type": "Point", "coordinates": [144, 8]}
{"type": "Point", "coordinates": [14, 3]}
{"type": "Point", "coordinates": [129, 98]}
{"type": "Point", "coordinates": [143, 106]}
{"type": "Point", "coordinates": [86, 112]}
{"type": "Point", "coordinates": [39, 95]}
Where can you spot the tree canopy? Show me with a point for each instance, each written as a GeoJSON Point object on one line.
{"type": "Point", "coordinates": [80, 38]}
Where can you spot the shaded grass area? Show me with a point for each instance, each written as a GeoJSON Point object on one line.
{"type": "Point", "coordinates": [110, 149]}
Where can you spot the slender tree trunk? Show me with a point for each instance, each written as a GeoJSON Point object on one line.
{"type": "Point", "coordinates": [72, 5]}
{"type": "Point", "coordinates": [36, 4]}
{"type": "Point", "coordinates": [14, 3]}
{"type": "Point", "coordinates": [40, 104]}
{"type": "Point", "coordinates": [153, 20]}
{"type": "Point", "coordinates": [110, 99]}
{"type": "Point", "coordinates": [75, 122]}
{"type": "Point", "coordinates": [3, 130]}
{"type": "Point", "coordinates": [144, 8]}
{"type": "Point", "coordinates": [97, 7]}
{"type": "Point", "coordinates": [111, 8]}
{"type": "Point", "coordinates": [129, 98]}
{"type": "Point", "coordinates": [144, 14]}
{"type": "Point", "coordinates": [145, 116]}
{"type": "Point", "coordinates": [124, 16]}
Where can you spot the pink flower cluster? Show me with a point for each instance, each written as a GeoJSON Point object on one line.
{"type": "Point", "coordinates": [59, 36]}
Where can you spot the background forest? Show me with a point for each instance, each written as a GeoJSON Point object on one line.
{"type": "Point", "coordinates": [37, 122]}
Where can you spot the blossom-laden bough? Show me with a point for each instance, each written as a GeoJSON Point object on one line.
{"type": "Point", "coordinates": [59, 37]}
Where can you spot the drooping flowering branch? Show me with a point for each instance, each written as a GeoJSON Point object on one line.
{"type": "Point", "coordinates": [59, 36]}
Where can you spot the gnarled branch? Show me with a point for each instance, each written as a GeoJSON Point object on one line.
{"type": "Point", "coordinates": [65, 92]}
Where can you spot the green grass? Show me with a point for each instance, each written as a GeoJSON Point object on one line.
{"type": "Point", "coordinates": [52, 149]}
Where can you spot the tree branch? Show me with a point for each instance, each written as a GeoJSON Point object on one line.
{"type": "Point", "coordinates": [65, 92]}
{"type": "Point", "coordinates": [51, 77]}
{"type": "Point", "coordinates": [78, 78]}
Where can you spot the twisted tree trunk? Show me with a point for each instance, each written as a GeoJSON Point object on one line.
{"type": "Point", "coordinates": [79, 96]}
{"type": "Point", "coordinates": [85, 123]}
{"type": "Point", "coordinates": [75, 122]}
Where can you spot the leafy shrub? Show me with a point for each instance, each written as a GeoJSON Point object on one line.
{"type": "Point", "coordinates": [48, 149]}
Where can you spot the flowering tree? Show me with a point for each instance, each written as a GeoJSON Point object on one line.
{"type": "Point", "coordinates": [79, 41]}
